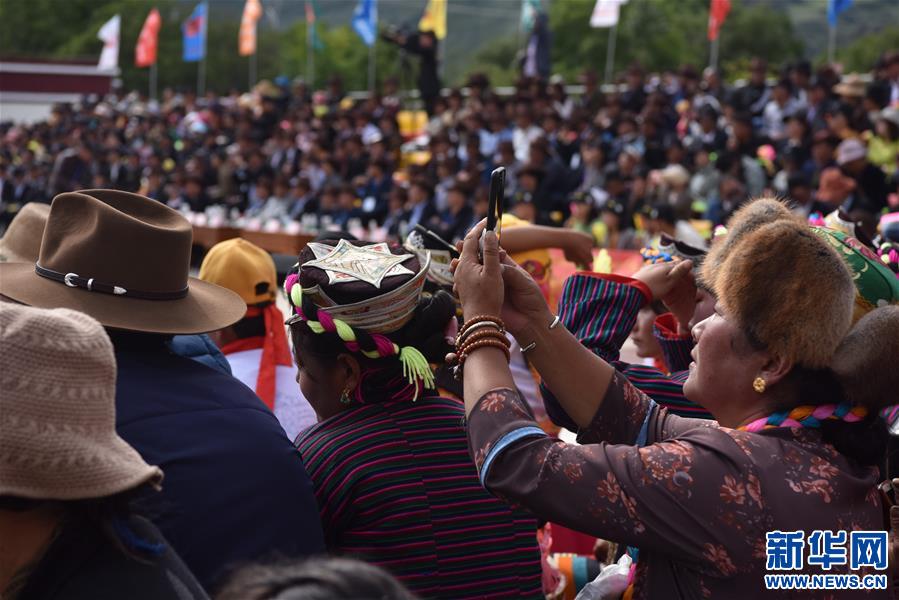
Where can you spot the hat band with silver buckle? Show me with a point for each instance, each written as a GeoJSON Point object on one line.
{"type": "Point", "coordinates": [92, 285]}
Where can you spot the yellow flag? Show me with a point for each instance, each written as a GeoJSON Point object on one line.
{"type": "Point", "coordinates": [434, 18]}
{"type": "Point", "coordinates": [252, 10]}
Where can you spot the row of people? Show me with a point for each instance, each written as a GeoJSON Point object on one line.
{"type": "Point", "coordinates": [385, 475]}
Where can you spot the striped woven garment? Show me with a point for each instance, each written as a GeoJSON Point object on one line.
{"type": "Point", "coordinates": [600, 311]}
{"type": "Point", "coordinates": [396, 487]}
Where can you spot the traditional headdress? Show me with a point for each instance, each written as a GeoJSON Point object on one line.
{"type": "Point", "coordinates": [363, 293]}
{"type": "Point", "coordinates": [673, 250]}
{"type": "Point", "coordinates": [421, 245]}
{"type": "Point", "coordinates": [875, 284]}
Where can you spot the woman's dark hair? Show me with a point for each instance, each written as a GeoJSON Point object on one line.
{"type": "Point", "coordinates": [862, 372]}
{"type": "Point", "coordinates": [314, 579]}
{"type": "Point", "coordinates": [109, 515]}
{"type": "Point", "coordinates": [249, 327]}
{"type": "Point", "coordinates": [864, 441]}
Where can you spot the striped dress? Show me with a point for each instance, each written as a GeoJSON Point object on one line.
{"type": "Point", "coordinates": [397, 488]}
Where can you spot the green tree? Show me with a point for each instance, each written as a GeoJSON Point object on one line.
{"type": "Point", "coordinates": [664, 34]}
{"type": "Point", "coordinates": [69, 29]}
{"type": "Point", "coordinates": [863, 53]}
{"type": "Point", "coordinates": [498, 60]}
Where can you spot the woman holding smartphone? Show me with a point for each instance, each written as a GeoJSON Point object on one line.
{"type": "Point", "coordinates": [795, 393]}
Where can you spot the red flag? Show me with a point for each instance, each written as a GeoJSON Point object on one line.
{"type": "Point", "coordinates": [148, 40]}
{"type": "Point", "coordinates": [718, 10]}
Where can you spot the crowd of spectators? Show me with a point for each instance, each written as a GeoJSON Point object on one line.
{"type": "Point", "coordinates": [653, 155]}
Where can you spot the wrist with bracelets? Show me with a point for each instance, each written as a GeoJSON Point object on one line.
{"type": "Point", "coordinates": [482, 331]}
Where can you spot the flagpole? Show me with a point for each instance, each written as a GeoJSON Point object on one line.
{"type": "Point", "coordinates": [201, 68]}
{"type": "Point", "coordinates": [713, 54]}
{"type": "Point", "coordinates": [831, 44]}
{"type": "Point", "coordinates": [610, 53]}
{"type": "Point", "coordinates": [441, 56]}
{"type": "Point", "coordinates": [153, 80]}
{"type": "Point", "coordinates": [371, 67]}
{"type": "Point", "coordinates": [310, 57]}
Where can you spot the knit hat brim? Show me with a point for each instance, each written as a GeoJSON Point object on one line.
{"type": "Point", "coordinates": [105, 467]}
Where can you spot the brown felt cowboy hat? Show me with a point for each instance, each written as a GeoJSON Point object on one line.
{"type": "Point", "coordinates": [123, 259]}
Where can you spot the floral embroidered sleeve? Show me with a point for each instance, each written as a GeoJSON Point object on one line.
{"type": "Point", "coordinates": [657, 497]}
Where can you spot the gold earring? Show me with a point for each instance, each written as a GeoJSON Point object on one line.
{"type": "Point", "coordinates": [345, 397]}
{"type": "Point", "coordinates": [758, 384]}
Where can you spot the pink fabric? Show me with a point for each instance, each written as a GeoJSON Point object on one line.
{"type": "Point", "coordinates": [290, 281]}
{"type": "Point", "coordinates": [384, 345]}
{"type": "Point", "coordinates": [326, 321]}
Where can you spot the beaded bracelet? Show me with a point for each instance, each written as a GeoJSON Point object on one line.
{"type": "Point", "coordinates": [483, 335]}
{"type": "Point", "coordinates": [479, 319]}
{"type": "Point", "coordinates": [463, 353]}
{"type": "Point", "coordinates": [462, 336]}
{"type": "Point", "coordinates": [493, 343]}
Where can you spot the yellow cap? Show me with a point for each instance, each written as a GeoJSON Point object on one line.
{"type": "Point", "coordinates": [243, 268]}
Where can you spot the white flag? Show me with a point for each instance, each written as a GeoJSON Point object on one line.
{"type": "Point", "coordinates": [109, 35]}
{"type": "Point", "coordinates": [605, 13]}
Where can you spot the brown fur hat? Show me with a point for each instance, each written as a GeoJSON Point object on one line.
{"type": "Point", "coordinates": [789, 290]}
{"type": "Point", "coordinates": [865, 362]}
{"type": "Point", "coordinates": [749, 217]}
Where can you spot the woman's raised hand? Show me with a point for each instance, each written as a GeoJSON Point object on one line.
{"type": "Point", "coordinates": [674, 285]}
{"type": "Point", "coordinates": [479, 286]}
{"type": "Point", "coordinates": [524, 304]}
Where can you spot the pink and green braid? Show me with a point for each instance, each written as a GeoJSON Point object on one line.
{"type": "Point", "coordinates": [808, 416]}
{"type": "Point", "coordinates": [371, 345]}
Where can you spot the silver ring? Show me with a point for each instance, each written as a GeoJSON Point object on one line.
{"type": "Point", "coordinates": [529, 347]}
{"type": "Point", "coordinates": [68, 279]}
{"type": "Point", "coordinates": [90, 283]}
{"type": "Point", "coordinates": [555, 322]}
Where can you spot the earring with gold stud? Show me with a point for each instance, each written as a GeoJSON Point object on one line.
{"type": "Point", "coordinates": [758, 384]}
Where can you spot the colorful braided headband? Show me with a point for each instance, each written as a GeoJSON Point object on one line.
{"type": "Point", "coordinates": [808, 416]}
{"type": "Point", "coordinates": [416, 369]}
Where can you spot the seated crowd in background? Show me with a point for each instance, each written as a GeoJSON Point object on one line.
{"type": "Point", "coordinates": [678, 145]}
{"type": "Point", "coordinates": [395, 461]}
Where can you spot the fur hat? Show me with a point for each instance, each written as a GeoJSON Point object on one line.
{"type": "Point", "coordinates": [865, 362]}
{"type": "Point", "coordinates": [747, 219]}
{"type": "Point", "coordinates": [788, 289]}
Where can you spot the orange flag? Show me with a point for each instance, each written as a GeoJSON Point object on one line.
{"type": "Point", "coordinates": [246, 42]}
{"type": "Point", "coordinates": [148, 40]}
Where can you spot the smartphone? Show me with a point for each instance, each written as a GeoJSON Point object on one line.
{"type": "Point", "coordinates": [494, 206]}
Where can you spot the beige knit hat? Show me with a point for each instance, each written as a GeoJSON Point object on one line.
{"type": "Point", "coordinates": [57, 409]}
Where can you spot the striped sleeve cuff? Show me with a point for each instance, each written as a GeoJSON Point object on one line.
{"type": "Point", "coordinates": [676, 348]}
{"type": "Point", "coordinates": [600, 310]}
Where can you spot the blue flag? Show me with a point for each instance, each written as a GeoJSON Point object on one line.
{"type": "Point", "coordinates": [365, 21]}
{"type": "Point", "coordinates": [834, 8]}
{"type": "Point", "coordinates": [193, 31]}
